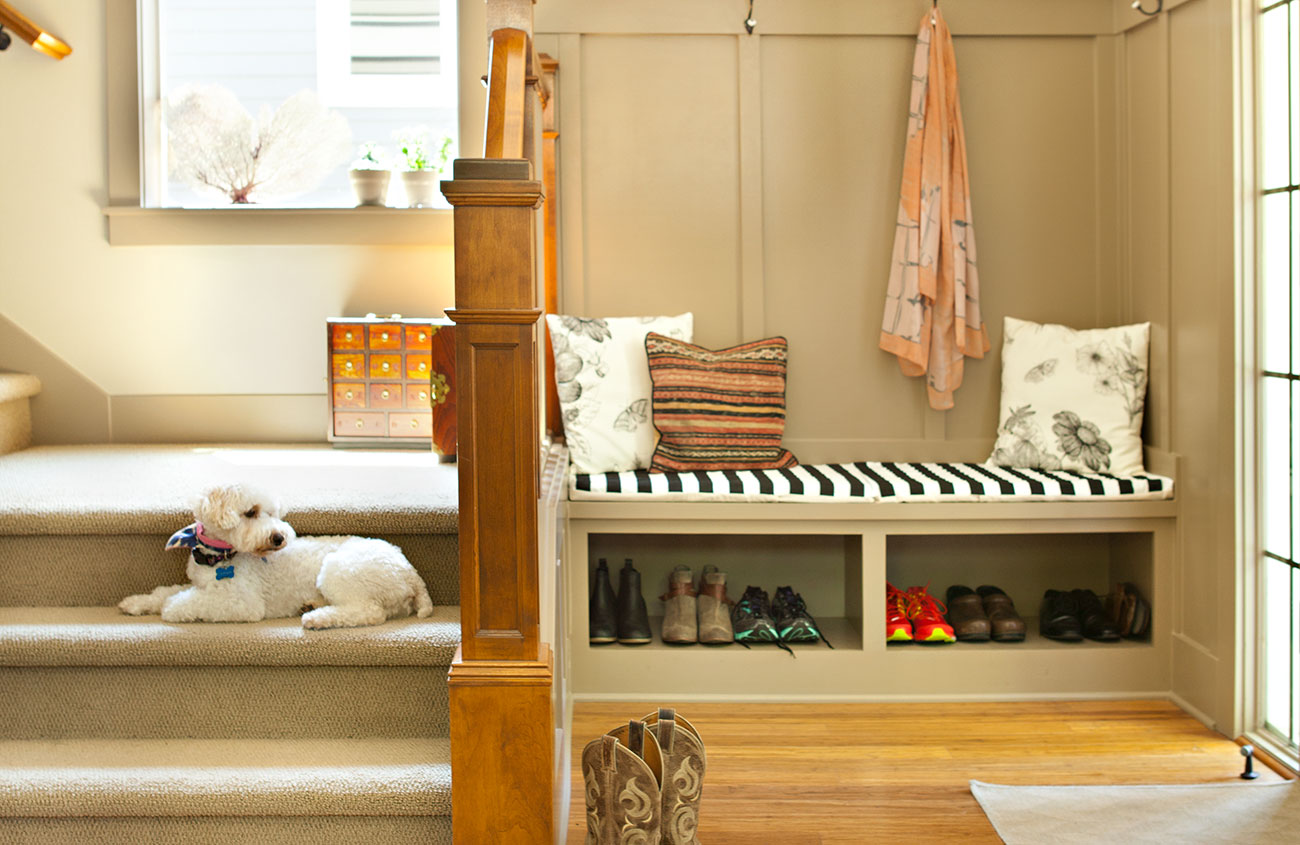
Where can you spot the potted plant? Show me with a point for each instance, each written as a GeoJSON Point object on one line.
{"type": "Point", "coordinates": [423, 158]}
{"type": "Point", "coordinates": [370, 175]}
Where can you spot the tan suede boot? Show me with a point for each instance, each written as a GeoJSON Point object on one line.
{"type": "Point", "coordinates": [621, 772]}
{"type": "Point", "coordinates": [714, 608]}
{"type": "Point", "coordinates": [682, 751]}
{"type": "Point", "coordinates": [679, 607]}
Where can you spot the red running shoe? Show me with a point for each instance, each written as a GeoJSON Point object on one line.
{"type": "Point", "coordinates": [926, 613]}
{"type": "Point", "coordinates": [897, 626]}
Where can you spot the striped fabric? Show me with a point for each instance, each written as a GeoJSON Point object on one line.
{"type": "Point", "coordinates": [718, 409]}
{"type": "Point", "coordinates": [870, 481]}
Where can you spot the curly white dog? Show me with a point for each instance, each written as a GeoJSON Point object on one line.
{"type": "Point", "coordinates": [246, 564]}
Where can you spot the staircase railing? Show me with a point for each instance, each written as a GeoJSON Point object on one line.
{"type": "Point", "coordinates": [500, 681]}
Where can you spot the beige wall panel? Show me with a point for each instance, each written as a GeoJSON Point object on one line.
{"type": "Point", "coordinates": [220, 419]}
{"type": "Point", "coordinates": [834, 119]}
{"type": "Point", "coordinates": [661, 180]}
{"type": "Point", "coordinates": [69, 408]}
{"type": "Point", "coordinates": [1028, 107]}
{"type": "Point", "coordinates": [1146, 240]}
{"type": "Point", "coordinates": [1201, 305]}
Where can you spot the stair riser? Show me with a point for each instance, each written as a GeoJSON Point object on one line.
{"type": "Point", "coordinates": [100, 570]}
{"type": "Point", "coordinates": [207, 830]}
{"type": "Point", "coordinates": [154, 702]}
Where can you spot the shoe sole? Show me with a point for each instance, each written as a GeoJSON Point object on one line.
{"type": "Point", "coordinates": [1065, 638]}
{"type": "Point", "coordinates": [899, 636]}
{"type": "Point", "coordinates": [602, 640]}
{"type": "Point", "coordinates": [1009, 638]}
{"type": "Point", "coordinates": [637, 641]}
{"type": "Point", "coordinates": [972, 638]}
{"type": "Point", "coordinates": [936, 636]}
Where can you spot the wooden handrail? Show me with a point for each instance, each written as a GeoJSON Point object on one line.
{"type": "Point", "coordinates": [503, 136]}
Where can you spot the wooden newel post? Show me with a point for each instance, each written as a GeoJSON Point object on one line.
{"type": "Point", "coordinates": [500, 681]}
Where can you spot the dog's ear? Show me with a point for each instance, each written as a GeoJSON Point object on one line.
{"type": "Point", "coordinates": [219, 507]}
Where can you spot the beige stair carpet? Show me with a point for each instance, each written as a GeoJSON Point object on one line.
{"type": "Point", "coordinates": [16, 390]}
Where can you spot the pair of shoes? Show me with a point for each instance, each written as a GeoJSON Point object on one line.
{"type": "Point", "coordinates": [785, 620]}
{"type": "Point", "coordinates": [982, 614]}
{"type": "Point", "coordinates": [913, 615]}
{"type": "Point", "coordinates": [1129, 611]}
{"type": "Point", "coordinates": [623, 619]}
{"type": "Point", "coordinates": [1071, 616]}
{"type": "Point", "coordinates": [643, 782]}
{"type": "Point", "coordinates": [697, 615]}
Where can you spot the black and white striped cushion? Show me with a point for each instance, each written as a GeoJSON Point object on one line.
{"type": "Point", "coordinates": [869, 481]}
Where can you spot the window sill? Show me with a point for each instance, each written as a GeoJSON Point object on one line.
{"type": "Point", "coordinates": [134, 226]}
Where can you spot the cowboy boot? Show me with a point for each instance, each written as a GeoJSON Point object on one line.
{"type": "Point", "coordinates": [621, 772]}
{"type": "Point", "coordinates": [682, 751]}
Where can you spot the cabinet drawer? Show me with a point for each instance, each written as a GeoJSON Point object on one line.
{"type": "Point", "coordinates": [349, 395]}
{"type": "Point", "coordinates": [385, 366]}
{"type": "Point", "coordinates": [347, 366]}
{"type": "Point", "coordinates": [420, 337]}
{"type": "Point", "coordinates": [410, 424]}
{"type": "Point", "coordinates": [385, 336]}
{"type": "Point", "coordinates": [347, 336]}
{"type": "Point", "coordinates": [418, 366]}
{"type": "Point", "coordinates": [359, 424]}
{"type": "Point", "coordinates": [385, 396]}
{"type": "Point", "coordinates": [417, 396]}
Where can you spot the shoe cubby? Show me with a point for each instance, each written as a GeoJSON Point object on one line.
{"type": "Point", "coordinates": [839, 559]}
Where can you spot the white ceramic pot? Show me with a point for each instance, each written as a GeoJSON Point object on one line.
{"type": "Point", "coordinates": [370, 186]}
{"type": "Point", "coordinates": [421, 187]}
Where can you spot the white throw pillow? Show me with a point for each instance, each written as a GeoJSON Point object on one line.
{"type": "Point", "coordinates": [604, 385]}
{"type": "Point", "coordinates": [1072, 399]}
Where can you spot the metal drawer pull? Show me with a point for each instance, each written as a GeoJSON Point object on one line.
{"type": "Point", "coordinates": [423, 396]}
{"type": "Point", "coordinates": [384, 366]}
{"type": "Point", "coordinates": [384, 394]}
{"type": "Point", "coordinates": [423, 366]}
{"type": "Point", "coordinates": [347, 395]}
{"type": "Point", "coordinates": [422, 335]}
{"type": "Point", "coordinates": [348, 365]}
{"type": "Point", "coordinates": [347, 335]}
{"type": "Point", "coordinates": [384, 336]}
{"type": "Point", "coordinates": [361, 424]}
{"type": "Point", "coordinates": [415, 423]}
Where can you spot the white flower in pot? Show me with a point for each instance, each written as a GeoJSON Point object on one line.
{"type": "Point", "coordinates": [424, 159]}
{"type": "Point", "coordinates": [370, 175]}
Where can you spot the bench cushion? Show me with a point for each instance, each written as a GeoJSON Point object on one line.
{"type": "Point", "coordinates": [870, 481]}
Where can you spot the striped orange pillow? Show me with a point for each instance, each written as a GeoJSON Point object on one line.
{"type": "Point", "coordinates": [722, 409]}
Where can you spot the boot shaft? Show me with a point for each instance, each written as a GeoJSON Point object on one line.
{"type": "Point", "coordinates": [602, 626]}
{"type": "Point", "coordinates": [621, 774]}
{"type": "Point", "coordinates": [684, 762]}
{"type": "Point", "coordinates": [633, 620]}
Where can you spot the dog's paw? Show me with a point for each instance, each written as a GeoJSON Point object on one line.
{"type": "Point", "coordinates": [138, 605]}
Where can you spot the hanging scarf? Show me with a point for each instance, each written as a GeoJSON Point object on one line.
{"type": "Point", "coordinates": [932, 313]}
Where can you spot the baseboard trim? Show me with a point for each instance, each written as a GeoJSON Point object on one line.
{"type": "Point", "coordinates": [1195, 712]}
{"type": "Point", "coordinates": [1141, 695]}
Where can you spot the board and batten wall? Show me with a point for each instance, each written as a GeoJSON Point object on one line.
{"type": "Point", "coordinates": [754, 181]}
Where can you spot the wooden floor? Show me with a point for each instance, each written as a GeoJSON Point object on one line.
{"type": "Point", "coordinates": [846, 774]}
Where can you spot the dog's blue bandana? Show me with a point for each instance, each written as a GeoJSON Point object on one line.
{"type": "Point", "coordinates": [207, 550]}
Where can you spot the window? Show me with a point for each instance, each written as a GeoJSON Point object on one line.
{"type": "Point", "coordinates": [1278, 106]}
{"type": "Point", "coordinates": [382, 65]}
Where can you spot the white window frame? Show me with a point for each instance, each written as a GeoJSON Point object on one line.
{"type": "Point", "coordinates": [337, 86]}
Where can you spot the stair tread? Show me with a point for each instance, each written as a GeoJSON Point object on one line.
{"type": "Point", "coordinates": [104, 636]}
{"type": "Point", "coordinates": [125, 489]}
{"type": "Point", "coordinates": [225, 777]}
{"type": "Point", "coordinates": [18, 386]}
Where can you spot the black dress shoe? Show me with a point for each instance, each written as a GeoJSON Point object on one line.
{"type": "Point", "coordinates": [1059, 617]}
{"type": "Point", "coordinates": [633, 621]}
{"type": "Point", "coordinates": [1097, 624]}
{"type": "Point", "coordinates": [601, 627]}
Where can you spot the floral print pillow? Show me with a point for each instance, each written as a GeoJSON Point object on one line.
{"type": "Point", "coordinates": [603, 381]}
{"type": "Point", "coordinates": [1072, 399]}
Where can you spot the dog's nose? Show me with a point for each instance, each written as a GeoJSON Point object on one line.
{"type": "Point", "coordinates": [277, 540]}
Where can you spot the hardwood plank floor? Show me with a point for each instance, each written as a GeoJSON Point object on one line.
{"type": "Point", "coordinates": [846, 774]}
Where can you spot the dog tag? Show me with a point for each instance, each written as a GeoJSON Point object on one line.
{"type": "Point", "coordinates": [225, 572]}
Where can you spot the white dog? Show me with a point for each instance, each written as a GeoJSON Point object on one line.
{"type": "Point", "coordinates": [247, 564]}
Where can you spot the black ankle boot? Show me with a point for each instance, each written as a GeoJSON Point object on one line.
{"type": "Point", "coordinates": [633, 621]}
{"type": "Point", "coordinates": [601, 627]}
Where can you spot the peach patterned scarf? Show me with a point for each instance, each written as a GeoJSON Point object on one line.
{"type": "Point", "coordinates": [932, 312]}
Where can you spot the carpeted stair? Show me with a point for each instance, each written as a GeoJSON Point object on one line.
{"type": "Point", "coordinates": [16, 391]}
{"type": "Point", "coordinates": [131, 729]}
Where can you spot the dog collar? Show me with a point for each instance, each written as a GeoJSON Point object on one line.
{"type": "Point", "coordinates": [207, 550]}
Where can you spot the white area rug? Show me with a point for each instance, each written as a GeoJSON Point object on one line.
{"type": "Point", "coordinates": [1246, 813]}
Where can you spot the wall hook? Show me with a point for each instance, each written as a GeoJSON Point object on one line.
{"type": "Point", "coordinates": [1137, 4]}
{"type": "Point", "coordinates": [750, 23]}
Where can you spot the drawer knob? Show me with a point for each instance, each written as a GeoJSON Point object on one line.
{"type": "Point", "coordinates": [348, 365]}
{"type": "Point", "coordinates": [384, 366]}
{"type": "Point", "coordinates": [422, 335]}
{"type": "Point", "coordinates": [347, 335]}
{"type": "Point", "coordinates": [347, 395]}
{"type": "Point", "coordinates": [384, 394]}
{"type": "Point", "coordinates": [423, 366]}
{"type": "Point", "coordinates": [361, 424]}
{"type": "Point", "coordinates": [415, 424]}
{"type": "Point", "coordinates": [423, 395]}
{"type": "Point", "coordinates": [384, 336]}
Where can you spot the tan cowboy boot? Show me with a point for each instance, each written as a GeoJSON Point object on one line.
{"type": "Point", "coordinates": [683, 775]}
{"type": "Point", "coordinates": [621, 772]}
{"type": "Point", "coordinates": [714, 608]}
{"type": "Point", "coordinates": [679, 607]}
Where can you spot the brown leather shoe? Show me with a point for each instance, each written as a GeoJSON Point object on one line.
{"type": "Point", "coordinates": [966, 614]}
{"type": "Point", "coordinates": [1007, 625]}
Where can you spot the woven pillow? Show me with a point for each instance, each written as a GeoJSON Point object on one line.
{"type": "Point", "coordinates": [722, 409]}
{"type": "Point", "coordinates": [604, 390]}
{"type": "Point", "coordinates": [1072, 399]}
